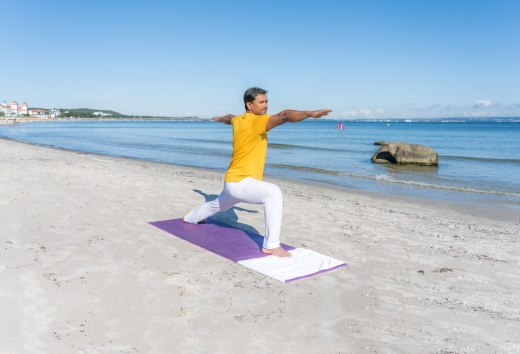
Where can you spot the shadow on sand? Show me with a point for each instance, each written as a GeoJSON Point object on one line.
{"type": "Point", "coordinates": [229, 218]}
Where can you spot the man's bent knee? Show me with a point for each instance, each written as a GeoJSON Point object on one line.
{"type": "Point", "coordinates": [276, 192]}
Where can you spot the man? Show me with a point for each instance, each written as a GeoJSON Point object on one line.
{"type": "Point", "coordinates": [243, 180]}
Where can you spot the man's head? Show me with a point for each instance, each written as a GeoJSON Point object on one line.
{"type": "Point", "coordinates": [255, 100]}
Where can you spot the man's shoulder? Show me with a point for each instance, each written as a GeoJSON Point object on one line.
{"type": "Point", "coordinates": [261, 120]}
{"type": "Point", "coordinates": [261, 116]}
{"type": "Point", "coordinates": [233, 119]}
{"type": "Point", "coordinates": [252, 118]}
{"type": "Point", "coordinates": [252, 115]}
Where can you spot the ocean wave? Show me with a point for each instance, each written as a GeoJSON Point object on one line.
{"type": "Point", "coordinates": [389, 179]}
{"type": "Point", "coordinates": [219, 142]}
{"type": "Point", "coordinates": [480, 159]}
{"type": "Point", "coordinates": [171, 147]}
{"type": "Point", "coordinates": [305, 168]}
{"type": "Point", "coordinates": [305, 147]}
{"type": "Point", "coordinates": [386, 178]}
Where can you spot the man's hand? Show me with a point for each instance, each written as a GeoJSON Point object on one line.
{"type": "Point", "coordinates": [319, 113]}
{"type": "Point", "coordinates": [293, 116]}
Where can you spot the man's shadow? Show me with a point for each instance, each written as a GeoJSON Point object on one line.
{"type": "Point", "coordinates": [229, 218]}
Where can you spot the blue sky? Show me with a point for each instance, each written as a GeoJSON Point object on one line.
{"type": "Point", "coordinates": [363, 59]}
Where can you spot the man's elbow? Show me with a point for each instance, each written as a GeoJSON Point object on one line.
{"type": "Point", "coordinates": [284, 116]}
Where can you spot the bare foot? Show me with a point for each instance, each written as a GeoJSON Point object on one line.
{"type": "Point", "coordinates": [278, 252]}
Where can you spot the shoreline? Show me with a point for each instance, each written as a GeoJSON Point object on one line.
{"type": "Point", "coordinates": [83, 271]}
{"type": "Point", "coordinates": [5, 121]}
{"type": "Point", "coordinates": [494, 211]}
{"type": "Point", "coordinates": [26, 120]}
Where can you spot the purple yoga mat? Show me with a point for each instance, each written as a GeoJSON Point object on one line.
{"type": "Point", "coordinates": [222, 239]}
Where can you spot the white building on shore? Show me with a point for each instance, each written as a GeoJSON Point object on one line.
{"type": "Point", "coordinates": [15, 110]}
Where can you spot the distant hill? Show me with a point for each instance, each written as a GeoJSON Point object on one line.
{"type": "Point", "coordinates": [108, 114]}
{"type": "Point", "coordinates": [87, 113]}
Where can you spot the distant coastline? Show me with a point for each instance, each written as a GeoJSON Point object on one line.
{"type": "Point", "coordinates": [440, 120]}
{"type": "Point", "coordinates": [13, 120]}
{"type": "Point", "coordinates": [100, 115]}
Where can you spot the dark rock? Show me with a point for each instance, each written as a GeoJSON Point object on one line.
{"type": "Point", "coordinates": [382, 143]}
{"type": "Point", "coordinates": [406, 154]}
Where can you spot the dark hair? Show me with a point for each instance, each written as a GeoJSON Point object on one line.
{"type": "Point", "coordinates": [250, 94]}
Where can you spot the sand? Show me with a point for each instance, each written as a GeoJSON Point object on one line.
{"type": "Point", "coordinates": [82, 271]}
{"type": "Point", "coordinates": [5, 121]}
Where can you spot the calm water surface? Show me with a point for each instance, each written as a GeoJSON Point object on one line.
{"type": "Point", "coordinates": [479, 162]}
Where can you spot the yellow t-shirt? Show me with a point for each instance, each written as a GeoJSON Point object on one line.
{"type": "Point", "coordinates": [249, 147]}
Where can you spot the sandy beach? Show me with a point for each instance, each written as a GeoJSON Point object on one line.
{"type": "Point", "coordinates": [82, 271]}
{"type": "Point", "coordinates": [5, 121]}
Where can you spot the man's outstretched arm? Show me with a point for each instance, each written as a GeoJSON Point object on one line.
{"type": "Point", "coordinates": [224, 119]}
{"type": "Point", "coordinates": [293, 116]}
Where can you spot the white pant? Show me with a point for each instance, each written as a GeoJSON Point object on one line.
{"type": "Point", "coordinates": [248, 190]}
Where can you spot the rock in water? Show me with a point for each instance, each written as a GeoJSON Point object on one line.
{"type": "Point", "coordinates": [381, 143]}
{"type": "Point", "coordinates": [406, 154]}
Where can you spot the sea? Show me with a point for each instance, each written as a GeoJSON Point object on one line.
{"type": "Point", "coordinates": [479, 162]}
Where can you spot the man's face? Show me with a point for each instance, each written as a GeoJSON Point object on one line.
{"type": "Point", "coordinates": [259, 105]}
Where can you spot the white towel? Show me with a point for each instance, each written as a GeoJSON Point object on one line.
{"type": "Point", "coordinates": [303, 263]}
